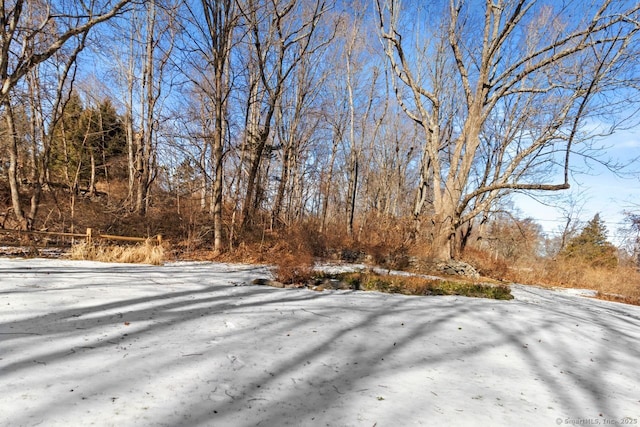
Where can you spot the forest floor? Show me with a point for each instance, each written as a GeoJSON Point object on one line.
{"type": "Point", "coordinates": [195, 344]}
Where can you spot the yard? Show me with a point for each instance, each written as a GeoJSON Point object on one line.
{"type": "Point", "coordinates": [195, 344]}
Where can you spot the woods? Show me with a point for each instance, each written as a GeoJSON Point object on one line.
{"type": "Point", "coordinates": [399, 123]}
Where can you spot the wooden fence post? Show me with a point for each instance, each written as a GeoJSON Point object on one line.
{"type": "Point", "coordinates": [159, 237]}
{"type": "Point", "coordinates": [89, 232]}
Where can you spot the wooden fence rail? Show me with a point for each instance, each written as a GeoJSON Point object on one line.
{"type": "Point", "coordinates": [88, 236]}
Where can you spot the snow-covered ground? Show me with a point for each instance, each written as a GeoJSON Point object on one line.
{"type": "Point", "coordinates": [194, 344]}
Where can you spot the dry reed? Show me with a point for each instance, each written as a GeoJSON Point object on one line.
{"type": "Point", "coordinates": [145, 253]}
{"type": "Point", "coordinates": [621, 283]}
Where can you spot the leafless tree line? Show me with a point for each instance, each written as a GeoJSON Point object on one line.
{"type": "Point", "coordinates": [275, 112]}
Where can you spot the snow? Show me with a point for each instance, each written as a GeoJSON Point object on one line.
{"type": "Point", "coordinates": [194, 344]}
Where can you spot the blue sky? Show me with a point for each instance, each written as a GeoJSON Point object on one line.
{"type": "Point", "coordinates": [596, 191]}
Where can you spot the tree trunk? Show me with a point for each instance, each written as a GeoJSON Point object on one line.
{"type": "Point", "coordinates": [13, 166]}
{"type": "Point", "coordinates": [352, 191]}
{"type": "Point", "coordinates": [217, 199]}
{"type": "Point", "coordinates": [92, 178]}
{"type": "Point", "coordinates": [442, 241]}
{"type": "Point", "coordinates": [445, 225]}
{"type": "Point", "coordinates": [422, 194]}
{"type": "Point", "coordinates": [218, 153]}
{"type": "Point", "coordinates": [204, 184]}
{"type": "Point", "coordinates": [284, 179]}
{"type": "Point", "coordinates": [131, 165]}
{"type": "Point", "coordinates": [140, 173]}
{"type": "Point", "coordinates": [144, 154]}
{"type": "Point", "coordinates": [249, 200]}
{"type": "Point", "coordinates": [328, 182]}
{"type": "Point", "coordinates": [254, 145]}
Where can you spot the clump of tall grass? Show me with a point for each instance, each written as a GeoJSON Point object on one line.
{"type": "Point", "coordinates": [143, 253]}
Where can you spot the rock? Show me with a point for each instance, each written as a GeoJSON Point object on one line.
{"type": "Point", "coordinates": [314, 285]}
{"type": "Point", "coordinates": [268, 282]}
{"type": "Point", "coordinates": [457, 268]}
{"type": "Point", "coordinates": [349, 255]}
{"type": "Point", "coordinates": [335, 284]}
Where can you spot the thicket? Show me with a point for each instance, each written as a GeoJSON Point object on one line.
{"type": "Point", "coordinates": [506, 249]}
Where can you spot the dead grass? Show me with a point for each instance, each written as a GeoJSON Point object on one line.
{"type": "Point", "coordinates": [486, 264]}
{"type": "Point", "coordinates": [145, 253]}
{"type": "Point", "coordinates": [616, 284]}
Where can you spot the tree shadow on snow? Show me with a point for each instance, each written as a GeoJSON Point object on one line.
{"type": "Point", "coordinates": [237, 358]}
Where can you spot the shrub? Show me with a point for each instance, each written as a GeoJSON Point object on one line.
{"type": "Point", "coordinates": [293, 269]}
{"type": "Point", "coordinates": [293, 256]}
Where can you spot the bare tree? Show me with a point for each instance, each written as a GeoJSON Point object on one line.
{"type": "Point", "coordinates": [357, 128]}
{"type": "Point", "coordinates": [12, 136]}
{"type": "Point", "coordinates": [337, 123]}
{"type": "Point", "coordinates": [391, 155]}
{"type": "Point", "coordinates": [281, 35]}
{"type": "Point", "coordinates": [213, 25]}
{"type": "Point", "coordinates": [30, 34]}
{"type": "Point", "coordinates": [295, 124]}
{"type": "Point", "coordinates": [159, 28]}
{"type": "Point", "coordinates": [526, 77]}
{"type": "Point", "coordinates": [632, 236]}
{"type": "Point", "coordinates": [149, 95]}
{"type": "Point", "coordinates": [335, 117]}
{"type": "Point", "coordinates": [141, 54]}
{"type": "Point", "coordinates": [67, 20]}
{"type": "Point", "coordinates": [299, 123]}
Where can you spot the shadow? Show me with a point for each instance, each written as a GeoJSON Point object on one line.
{"type": "Point", "coordinates": [195, 345]}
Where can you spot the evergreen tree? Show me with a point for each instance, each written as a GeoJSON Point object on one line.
{"type": "Point", "coordinates": [86, 137]}
{"type": "Point", "coordinates": [67, 144]}
{"type": "Point", "coordinates": [107, 138]}
{"type": "Point", "coordinates": [591, 246]}
{"type": "Point", "coordinates": [111, 131]}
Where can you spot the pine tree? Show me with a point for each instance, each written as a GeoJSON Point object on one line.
{"type": "Point", "coordinates": [591, 246]}
{"type": "Point", "coordinates": [85, 133]}
{"type": "Point", "coordinates": [68, 142]}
